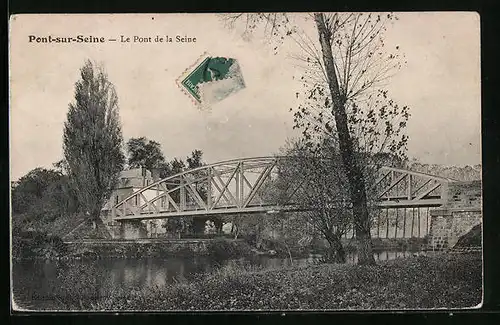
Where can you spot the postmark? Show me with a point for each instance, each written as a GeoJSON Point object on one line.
{"type": "Point", "coordinates": [211, 79]}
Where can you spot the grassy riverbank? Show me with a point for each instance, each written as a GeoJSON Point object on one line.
{"type": "Point", "coordinates": [442, 281]}
{"type": "Point", "coordinates": [40, 245]}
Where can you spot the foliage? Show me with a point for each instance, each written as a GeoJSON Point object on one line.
{"type": "Point", "coordinates": [285, 234]}
{"type": "Point", "coordinates": [320, 188]}
{"type": "Point", "coordinates": [147, 153]}
{"type": "Point", "coordinates": [376, 126]}
{"type": "Point", "coordinates": [177, 225]}
{"type": "Point", "coordinates": [144, 153]}
{"type": "Point", "coordinates": [220, 249]}
{"type": "Point", "coordinates": [44, 207]}
{"type": "Point", "coordinates": [375, 122]}
{"type": "Point", "coordinates": [196, 159]}
{"type": "Point", "coordinates": [35, 244]}
{"type": "Point", "coordinates": [31, 187]}
{"type": "Point", "coordinates": [93, 140]}
{"type": "Point", "coordinates": [177, 166]}
{"type": "Point", "coordinates": [43, 193]}
{"type": "Point", "coordinates": [248, 227]}
{"type": "Point", "coordinates": [274, 25]}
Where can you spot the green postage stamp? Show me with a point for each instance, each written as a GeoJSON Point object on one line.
{"type": "Point", "coordinates": [211, 79]}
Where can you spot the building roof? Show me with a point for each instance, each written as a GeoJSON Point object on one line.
{"type": "Point", "coordinates": [135, 172]}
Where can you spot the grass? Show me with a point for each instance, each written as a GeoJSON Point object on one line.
{"type": "Point", "coordinates": [425, 282]}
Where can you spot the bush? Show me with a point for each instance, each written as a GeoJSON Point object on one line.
{"type": "Point", "coordinates": [283, 250]}
{"type": "Point", "coordinates": [221, 249]}
{"type": "Point", "coordinates": [33, 244]}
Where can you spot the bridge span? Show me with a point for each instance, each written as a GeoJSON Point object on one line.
{"type": "Point", "coordinates": [244, 186]}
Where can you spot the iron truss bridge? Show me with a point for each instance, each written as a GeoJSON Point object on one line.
{"type": "Point", "coordinates": [241, 186]}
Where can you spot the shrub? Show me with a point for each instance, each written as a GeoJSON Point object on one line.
{"type": "Point", "coordinates": [30, 244]}
{"type": "Point", "coordinates": [221, 249]}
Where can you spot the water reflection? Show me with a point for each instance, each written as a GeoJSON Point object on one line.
{"type": "Point", "coordinates": [35, 282]}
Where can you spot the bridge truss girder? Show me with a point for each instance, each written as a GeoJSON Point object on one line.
{"type": "Point", "coordinates": [239, 187]}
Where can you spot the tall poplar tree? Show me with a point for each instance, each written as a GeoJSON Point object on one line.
{"type": "Point", "coordinates": [93, 140]}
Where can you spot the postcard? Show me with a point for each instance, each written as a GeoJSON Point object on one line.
{"type": "Point", "coordinates": [245, 162]}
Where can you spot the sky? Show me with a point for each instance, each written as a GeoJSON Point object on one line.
{"type": "Point", "coordinates": [440, 83]}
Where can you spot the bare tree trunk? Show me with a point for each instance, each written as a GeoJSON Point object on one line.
{"type": "Point", "coordinates": [289, 253]}
{"type": "Point", "coordinates": [95, 216]}
{"type": "Point", "coordinates": [337, 253]}
{"type": "Point", "coordinates": [354, 172]}
{"type": "Point", "coordinates": [235, 230]}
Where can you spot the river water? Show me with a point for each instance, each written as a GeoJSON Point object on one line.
{"type": "Point", "coordinates": [35, 282]}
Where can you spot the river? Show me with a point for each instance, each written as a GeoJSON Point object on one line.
{"type": "Point", "coordinates": [36, 283]}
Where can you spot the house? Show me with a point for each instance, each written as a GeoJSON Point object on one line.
{"type": "Point", "coordinates": [129, 182]}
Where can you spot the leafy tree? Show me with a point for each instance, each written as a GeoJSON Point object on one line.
{"type": "Point", "coordinates": [177, 166]}
{"type": "Point", "coordinates": [31, 188]}
{"type": "Point", "coordinates": [143, 152]}
{"type": "Point", "coordinates": [41, 196]}
{"type": "Point", "coordinates": [93, 140]}
{"type": "Point", "coordinates": [195, 160]}
{"type": "Point", "coordinates": [342, 70]}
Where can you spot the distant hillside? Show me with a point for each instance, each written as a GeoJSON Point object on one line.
{"type": "Point", "coordinates": [465, 173]}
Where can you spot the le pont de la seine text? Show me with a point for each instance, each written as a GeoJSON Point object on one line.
{"type": "Point", "coordinates": [121, 39]}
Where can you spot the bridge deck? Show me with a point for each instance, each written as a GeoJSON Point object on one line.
{"type": "Point", "coordinates": [270, 209]}
{"type": "Point", "coordinates": [204, 213]}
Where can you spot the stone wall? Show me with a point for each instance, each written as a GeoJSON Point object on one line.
{"type": "Point", "coordinates": [447, 225]}
{"type": "Point", "coordinates": [133, 229]}
{"type": "Point", "coordinates": [156, 248]}
{"type": "Point", "coordinates": [460, 213]}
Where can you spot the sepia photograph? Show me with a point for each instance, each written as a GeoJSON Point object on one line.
{"type": "Point", "coordinates": [321, 161]}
